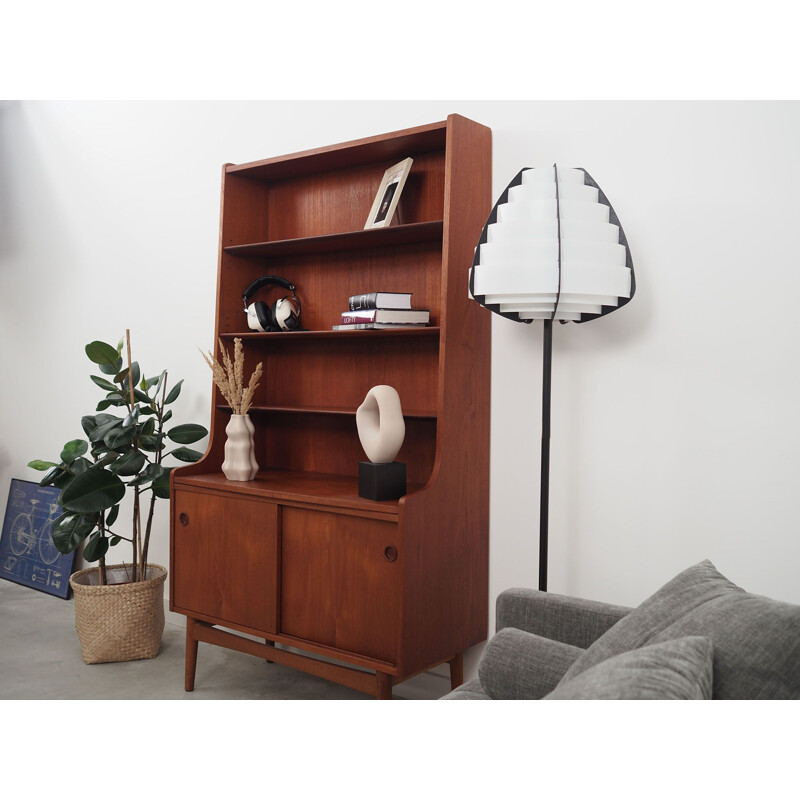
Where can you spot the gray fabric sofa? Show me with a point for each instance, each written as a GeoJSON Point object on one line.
{"type": "Point", "coordinates": [698, 637]}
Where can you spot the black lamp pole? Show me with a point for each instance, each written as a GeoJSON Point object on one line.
{"type": "Point", "coordinates": [544, 491]}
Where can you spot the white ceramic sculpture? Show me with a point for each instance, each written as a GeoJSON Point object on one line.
{"type": "Point", "coordinates": [380, 424]}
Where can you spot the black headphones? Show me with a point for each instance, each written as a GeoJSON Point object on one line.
{"type": "Point", "coordinates": [284, 315]}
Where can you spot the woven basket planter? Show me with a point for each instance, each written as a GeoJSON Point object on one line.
{"type": "Point", "coordinates": [119, 621]}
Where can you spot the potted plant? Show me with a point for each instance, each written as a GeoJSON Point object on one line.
{"type": "Point", "coordinates": [119, 609]}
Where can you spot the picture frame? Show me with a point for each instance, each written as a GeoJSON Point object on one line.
{"type": "Point", "coordinates": [27, 553]}
{"type": "Point", "coordinates": [388, 195]}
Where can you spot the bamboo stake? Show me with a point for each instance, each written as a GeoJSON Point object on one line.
{"type": "Point", "coordinates": [137, 514]}
{"type": "Point", "coordinates": [130, 366]}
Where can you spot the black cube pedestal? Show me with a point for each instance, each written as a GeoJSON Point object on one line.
{"type": "Point", "coordinates": [381, 481]}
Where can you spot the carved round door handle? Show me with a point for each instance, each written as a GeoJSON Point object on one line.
{"type": "Point", "coordinates": [390, 553]}
{"type": "Point", "coordinates": [184, 519]}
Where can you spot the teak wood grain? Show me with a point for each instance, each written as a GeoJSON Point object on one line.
{"type": "Point", "coordinates": [226, 558]}
{"type": "Point", "coordinates": [394, 587]}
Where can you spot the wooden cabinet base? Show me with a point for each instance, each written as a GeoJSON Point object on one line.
{"type": "Point", "coordinates": [377, 683]}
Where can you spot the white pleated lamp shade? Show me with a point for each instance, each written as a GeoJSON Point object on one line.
{"type": "Point", "coordinates": [552, 248]}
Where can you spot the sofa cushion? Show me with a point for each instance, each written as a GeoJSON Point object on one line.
{"type": "Point", "coordinates": [676, 670]}
{"type": "Point", "coordinates": [471, 690]}
{"type": "Point", "coordinates": [756, 640]}
{"type": "Point", "coordinates": [517, 665]}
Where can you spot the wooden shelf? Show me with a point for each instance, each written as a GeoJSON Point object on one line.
{"type": "Point", "coordinates": [290, 336]}
{"type": "Point", "coordinates": [304, 488]}
{"type": "Point", "coordinates": [393, 236]}
{"type": "Point", "coordinates": [327, 411]}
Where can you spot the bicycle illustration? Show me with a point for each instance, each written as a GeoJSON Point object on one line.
{"type": "Point", "coordinates": [23, 537]}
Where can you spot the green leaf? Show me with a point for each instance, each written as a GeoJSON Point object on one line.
{"type": "Point", "coordinates": [73, 449]}
{"type": "Point", "coordinates": [98, 426]}
{"type": "Point", "coordinates": [148, 428]}
{"type": "Point", "coordinates": [94, 490]}
{"type": "Point", "coordinates": [151, 382]}
{"type": "Point", "coordinates": [114, 540]}
{"type": "Point", "coordinates": [129, 464]}
{"type": "Point", "coordinates": [111, 369]}
{"type": "Point", "coordinates": [151, 443]}
{"type": "Point", "coordinates": [109, 458]}
{"type": "Point", "coordinates": [159, 382]}
{"type": "Point", "coordinates": [160, 486]}
{"type": "Point", "coordinates": [103, 383]}
{"type": "Point", "coordinates": [50, 478]}
{"type": "Point", "coordinates": [59, 476]}
{"type": "Point", "coordinates": [122, 376]}
{"type": "Point", "coordinates": [69, 530]}
{"type": "Point", "coordinates": [102, 353]}
{"type": "Point", "coordinates": [96, 547]}
{"type": "Point", "coordinates": [186, 454]}
{"type": "Point", "coordinates": [131, 417]}
{"type": "Point", "coordinates": [186, 434]}
{"type": "Point", "coordinates": [119, 438]}
{"type": "Point", "coordinates": [174, 392]}
{"type": "Point", "coordinates": [111, 517]}
{"type": "Point", "coordinates": [41, 465]}
{"type": "Point", "coordinates": [80, 465]}
{"type": "Point", "coordinates": [142, 397]}
{"type": "Point", "coordinates": [89, 423]}
{"type": "Point", "coordinates": [101, 431]}
{"type": "Point", "coordinates": [150, 472]}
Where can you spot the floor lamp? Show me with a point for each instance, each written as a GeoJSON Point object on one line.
{"type": "Point", "coordinates": [552, 249]}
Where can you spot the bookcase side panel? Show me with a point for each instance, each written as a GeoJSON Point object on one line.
{"type": "Point", "coordinates": [245, 210]}
{"type": "Point", "coordinates": [447, 525]}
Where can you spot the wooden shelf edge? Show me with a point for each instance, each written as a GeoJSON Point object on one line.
{"type": "Point", "coordinates": [346, 155]}
{"type": "Point", "coordinates": [415, 233]}
{"type": "Point", "coordinates": [334, 412]}
{"type": "Point", "coordinates": [306, 489]}
{"type": "Point", "coordinates": [293, 336]}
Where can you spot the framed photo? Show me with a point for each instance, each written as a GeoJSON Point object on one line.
{"type": "Point", "coordinates": [385, 204]}
{"type": "Point", "coordinates": [27, 553]}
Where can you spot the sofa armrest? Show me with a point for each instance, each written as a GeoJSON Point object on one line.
{"type": "Point", "coordinates": [570, 620]}
{"type": "Point", "coordinates": [517, 665]}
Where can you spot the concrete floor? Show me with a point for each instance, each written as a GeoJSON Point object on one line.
{"type": "Point", "coordinates": [40, 659]}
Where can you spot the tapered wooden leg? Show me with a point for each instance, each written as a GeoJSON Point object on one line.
{"type": "Point", "coordinates": [191, 655]}
{"type": "Point", "coordinates": [383, 686]}
{"type": "Point", "coordinates": [456, 671]}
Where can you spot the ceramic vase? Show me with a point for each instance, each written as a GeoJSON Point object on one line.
{"type": "Point", "coordinates": [240, 462]}
{"type": "Point", "coordinates": [252, 429]}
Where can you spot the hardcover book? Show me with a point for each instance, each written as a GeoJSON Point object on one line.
{"type": "Point", "coordinates": [379, 300]}
{"type": "Point", "coordinates": [418, 316]}
{"type": "Point", "coordinates": [370, 326]}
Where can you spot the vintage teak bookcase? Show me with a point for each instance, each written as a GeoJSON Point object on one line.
{"type": "Point", "coordinates": [363, 593]}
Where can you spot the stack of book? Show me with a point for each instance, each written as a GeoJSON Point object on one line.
{"type": "Point", "coordinates": [376, 310]}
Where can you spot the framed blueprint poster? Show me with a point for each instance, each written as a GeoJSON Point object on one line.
{"type": "Point", "coordinates": [27, 553]}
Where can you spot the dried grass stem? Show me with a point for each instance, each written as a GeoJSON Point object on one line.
{"type": "Point", "coordinates": [229, 377]}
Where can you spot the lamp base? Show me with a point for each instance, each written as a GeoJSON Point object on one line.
{"type": "Point", "coordinates": [381, 481]}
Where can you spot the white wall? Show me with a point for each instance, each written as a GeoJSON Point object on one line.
{"type": "Point", "coordinates": [674, 426]}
